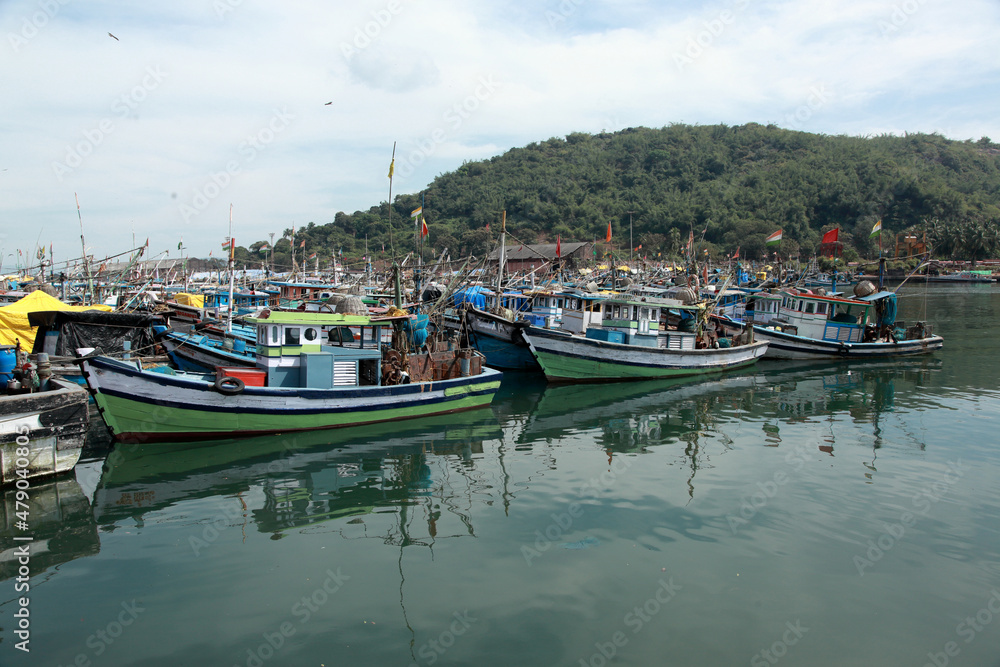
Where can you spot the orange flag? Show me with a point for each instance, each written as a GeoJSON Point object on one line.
{"type": "Point", "coordinates": [607, 239]}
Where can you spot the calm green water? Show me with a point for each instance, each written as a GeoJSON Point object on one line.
{"type": "Point", "coordinates": [820, 514]}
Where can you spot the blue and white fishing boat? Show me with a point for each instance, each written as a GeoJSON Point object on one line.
{"type": "Point", "coordinates": [810, 325]}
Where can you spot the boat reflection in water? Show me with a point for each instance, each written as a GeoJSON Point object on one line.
{"type": "Point", "coordinates": [61, 526]}
{"type": "Point", "coordinates": [305, 478]}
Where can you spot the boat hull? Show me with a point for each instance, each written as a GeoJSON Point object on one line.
{"type": "Point", "coordinates": [51, 424]}
{"type": "Point", "coordinates": [499, 340]}
{"type": "Point", "coordinates": [142, 406]}
{"type": "Point", "coordinates": [570, 358]}
{"type": "Point", "coordinates": [782, 345]}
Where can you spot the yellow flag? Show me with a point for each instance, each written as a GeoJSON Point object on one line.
{"type": "Point", "coordinates": [392, 166]}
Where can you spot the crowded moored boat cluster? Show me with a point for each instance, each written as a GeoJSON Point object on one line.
{"type": "Point", "coordinates": [262, 353]}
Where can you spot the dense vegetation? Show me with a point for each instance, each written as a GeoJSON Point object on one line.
{"type": "Point", "coordinates": [729, 186]}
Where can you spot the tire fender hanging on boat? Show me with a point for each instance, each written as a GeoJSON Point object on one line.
{"type": "Point", "coordinates": [229, 385]}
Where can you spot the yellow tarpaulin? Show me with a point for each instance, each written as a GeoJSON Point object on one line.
{"type": "Point", "coordinates": [14, 318]}
{"type": "Point", "coordinates": [193, 300]}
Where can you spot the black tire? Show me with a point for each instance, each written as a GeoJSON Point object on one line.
{"type": "Point", "coordinates": [229, 385]}
{"type": "Point", "coordinates": [842, 350]}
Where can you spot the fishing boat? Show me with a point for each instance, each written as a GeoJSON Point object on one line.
{"type": "Point", "coordinates": [298, 383]}
{"type": "Point", "coordinates": [633, 342]}
{"type": "Point", "coordinates": [814, 325]}
{"type": "Point", "coordinates": [43, 419]}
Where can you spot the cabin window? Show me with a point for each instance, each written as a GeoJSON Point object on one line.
{"type": "Point", "coordinates": [310, 334]}
{"type": "Point", "coordinates": [644, 313]}
{"type": "Point", "coordinates": [821, 308]}
{"type": "Point", "coordinates": [810, 307]}
{"type": "Point", "coordinates": [655, 315]}
{"type": "Point", "coordinates": [292, 336]}
{"type": "Point", "coordinates": [618, 313]}
{"type": "Point", "coordinates": [274, 335]}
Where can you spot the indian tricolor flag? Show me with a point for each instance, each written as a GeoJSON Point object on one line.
{"type": "Point", "coordinates": [876, 230]}
{"type": "Point", "coordinates": [415, 213]}
{"type": "Point", "coordinates": [773, 239]}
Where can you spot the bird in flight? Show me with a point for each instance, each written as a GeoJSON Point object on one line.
{"type": "Point", "coordinates": [113, 37]}
{"type": "Point", "coordinates": [328, 104]}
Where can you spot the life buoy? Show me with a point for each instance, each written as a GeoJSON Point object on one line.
{"type": "Point", "coordinates": [229, 385]}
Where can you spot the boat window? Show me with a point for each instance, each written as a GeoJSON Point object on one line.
{"type": "Point", "coordinates": [291, 336]}
{"type": "Point", "coordinates": [821, 308]}
{"type": "Point", "coordinates": [644, 313]}
{"type": "Point", "coordinates": [810, 307]}
{"type": "Point", "coordinates": [654, 315]}
{"type": "Point", "coordinates": [618, 312]}
{"type": "Point", "coordinates": [274, 334]}
{"type": "Point", "coordinates": [310, 334]}
{"type": "Point", "coordinates": [559, 303]}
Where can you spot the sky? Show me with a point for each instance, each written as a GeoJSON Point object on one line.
{"type": "Point", "coordinates": [162, 117]}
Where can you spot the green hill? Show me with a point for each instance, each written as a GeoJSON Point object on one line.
{"type": "Point", "coordinates": [735, 185]}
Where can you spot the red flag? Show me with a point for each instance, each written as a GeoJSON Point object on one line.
{"type": "Point", "coordinates": [558, 247]}
{"type": "Point", "coordinates": [303, 244]}
{"type": "Point", "coordinates": [831, 236]}
{"type": "Point", "coordinates": [736, 255]}
{"type": "Point", "coordinates": [607, 239]}
{"type": "Point", "coordinates": [487, 226]}
{"type": "Point", "coordinates": [640, 247]}
{"type": "Point", "coordinates": [423, 228]}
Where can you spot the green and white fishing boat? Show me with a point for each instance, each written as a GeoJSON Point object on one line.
{"type": "Point", "coordinates": [300, 382]}
{"type": "Point", "coordinates": [629, 339]}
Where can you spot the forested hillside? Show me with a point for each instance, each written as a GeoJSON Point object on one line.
{"type": "Point", "coordinates": [730, 185]}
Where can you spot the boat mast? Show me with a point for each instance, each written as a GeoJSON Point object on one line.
{"type": "Point", "coordinates": [86, 265]}
{"type": "Point", "coordinates": [503, 255]}
{"type": "Point", "coordinates": [232, 249]}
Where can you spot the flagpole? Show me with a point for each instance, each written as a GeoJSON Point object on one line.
{"type": "Point", "coordinates": [392, 166]}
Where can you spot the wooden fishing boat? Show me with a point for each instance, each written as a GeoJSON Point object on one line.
{"type": "Point", "coordinates": [833, 326]}
{"type": "Point", "coordinates": [633, 342]}
{"type": "Point", "coordinates": [42, 429]}
{"type": "Point", "coordinates": [298, 383]}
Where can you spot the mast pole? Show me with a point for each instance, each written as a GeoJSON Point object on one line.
{"type": "Point", "coordinates": [232, 251]}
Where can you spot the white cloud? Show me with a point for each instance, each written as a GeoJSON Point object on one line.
{"type": "Point", "coordinates": [448, 81]}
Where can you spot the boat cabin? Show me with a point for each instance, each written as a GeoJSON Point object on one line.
{"type": "Point", "coordinates": [546, 308]}
{"type": "Point", "coordinates": [829, 317]}
{"type": "Point", "coordinates": [639, 323]}
{"type": "Point", "coordinates": [582, 311]}
{"type": "Point", "coordinates": [292, 350]}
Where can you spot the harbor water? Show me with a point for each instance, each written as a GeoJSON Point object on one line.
{"type": "Point", "coordinates": [794, 513]}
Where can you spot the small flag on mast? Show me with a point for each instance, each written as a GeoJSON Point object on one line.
{"type": "Point", "coordinates": [558, 246]}
{"type": "Point", "coordinates": [423, 229]}
{"type": "Point", "coordinates": [607, 239]}
{"type": "Point", "coordinates": [415, 213]}
{"type": "Point", "coordinates": [831, 236]}
{"type": "Point", "coordinates": [773, 239]}
{"type": "Point", "coordinates": [392, 166]}
{"type": "Point", "coordinates": [876, 230]}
